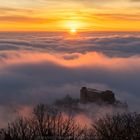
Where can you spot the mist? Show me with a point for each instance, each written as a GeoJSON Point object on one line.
{"type": "Point", "coordinates": [42, 67]}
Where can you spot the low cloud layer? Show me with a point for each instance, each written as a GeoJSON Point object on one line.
{"type": "Point", "coordinates": [112, 44]}
{"type": "Point", "coordinates": [37, 68]}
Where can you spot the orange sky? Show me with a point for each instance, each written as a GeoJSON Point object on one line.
{"type": "Point", "coordinates": [64, 15]}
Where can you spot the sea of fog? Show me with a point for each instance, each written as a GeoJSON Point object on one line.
{"type": "Point", "coordinates": [42, 67]}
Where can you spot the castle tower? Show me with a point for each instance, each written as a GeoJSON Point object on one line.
{"type": "Point", "coordinates": [83, 94]}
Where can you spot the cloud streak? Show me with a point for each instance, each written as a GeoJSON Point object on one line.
{"type": "Point", "coordinates": [53, 15]}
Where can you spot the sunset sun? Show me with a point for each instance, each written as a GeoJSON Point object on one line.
{"type": "Point", "coordinates": [73, 30]}
{"type": "Point", "coordinates": [73, 26]}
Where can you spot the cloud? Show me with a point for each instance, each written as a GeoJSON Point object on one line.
{"type": "Point", "coordinates": [123, 17]}
{"type": "Point", "coordinates": [25, 19]}
{"type": "Point", "coordinates": [135, 0]}
{"type": "Point", "coordinates": [42, 67]}
{"type": "Point", "coordinates": [111, 44]}
{"type": "Point", "coordinates": [9, 9]}
{"type": "Point", "coordinates": [41, 76]}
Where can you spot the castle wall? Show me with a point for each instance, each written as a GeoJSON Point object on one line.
{"type": "Point", "coordinates": [95, 96]}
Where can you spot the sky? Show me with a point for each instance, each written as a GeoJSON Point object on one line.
{"type": "Point", "coordinates": [65, 15]}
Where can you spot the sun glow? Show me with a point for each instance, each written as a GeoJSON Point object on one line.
{"type": "Point", "coordinates": [73, 30]}
{"type": "Point", "coordinates": [73, 26]}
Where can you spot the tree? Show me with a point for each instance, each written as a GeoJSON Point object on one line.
{"type": "Point", "coordinates": [44, 124]}
{"type": "Point", "coordinates": [21, 129]}
{"type": "Point", "coordinates": [118, 127]}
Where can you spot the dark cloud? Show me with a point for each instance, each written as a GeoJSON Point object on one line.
{"type": "Point", "coordinates": [112, 44]}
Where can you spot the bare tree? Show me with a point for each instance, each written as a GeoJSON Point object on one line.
{"type": "Point", "coordinates": [21, 129]}
{"type": "Point", "coordinates": [44, 124]}
{"type": "Point", "coordinates": [118, 127]}
{"type": "Point", "coordinates": [52, 124]}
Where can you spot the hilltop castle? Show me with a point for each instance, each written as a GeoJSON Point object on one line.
{"type": "Point", "coordinates": [88, 95]}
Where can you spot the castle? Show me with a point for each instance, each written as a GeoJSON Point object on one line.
{"type": "Point", "coordinates": [88, 95]}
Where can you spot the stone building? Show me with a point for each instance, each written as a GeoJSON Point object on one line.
{"type": "Point", "coordinates": [88, 95]}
